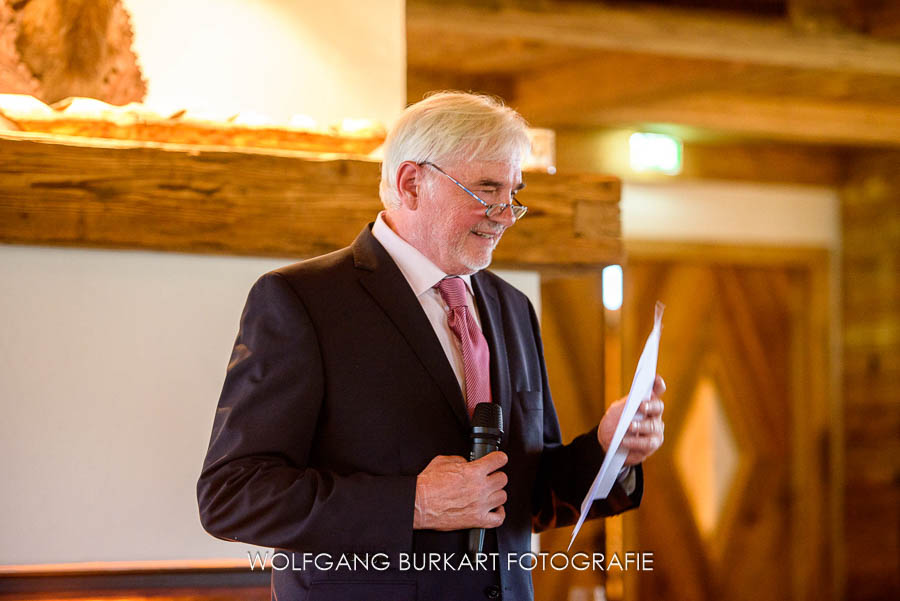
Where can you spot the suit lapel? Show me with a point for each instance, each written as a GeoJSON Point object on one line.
{"type": "Point", "coordinates": [492, 326]}
{"type": "Point", "coordinates": [381, 277]}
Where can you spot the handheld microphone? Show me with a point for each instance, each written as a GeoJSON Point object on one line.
{"type": "Point", "coordinates": [487, 430]}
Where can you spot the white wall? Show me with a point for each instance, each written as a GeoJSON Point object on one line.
{"type": "Point", "coordinates": [112, 365]}
{"type": "Point", "coordinates": [113, 362]}
{"type": "Point", "coordinates": [329, 60]}
{"type": "Point", "coordinates": [732, 213]}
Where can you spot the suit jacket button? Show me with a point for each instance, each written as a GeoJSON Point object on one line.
{"type": "Point", "coordinates": [492, 592]}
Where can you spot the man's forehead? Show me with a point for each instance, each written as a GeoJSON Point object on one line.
{"type": "Point", "coordinates": [501, 172]}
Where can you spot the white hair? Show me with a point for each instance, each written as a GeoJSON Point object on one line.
{"type": "Point", "coordinates": [452, 125]}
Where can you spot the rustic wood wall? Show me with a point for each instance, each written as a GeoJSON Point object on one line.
{"type": "Point", "coordinates": [871, 372]}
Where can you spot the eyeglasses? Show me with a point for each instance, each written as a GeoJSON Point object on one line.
{"type": "Point", "coordinates": [490, 210]}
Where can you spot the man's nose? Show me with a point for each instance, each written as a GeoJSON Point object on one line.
{"type": "Point", "coordinates": [504, 217]}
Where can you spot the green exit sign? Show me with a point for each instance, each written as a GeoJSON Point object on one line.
{"type": "Point", "coordinates": [655, 153]}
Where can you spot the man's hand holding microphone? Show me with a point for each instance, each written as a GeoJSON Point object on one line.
{"type": "Point", "coordinates": [455, 494]}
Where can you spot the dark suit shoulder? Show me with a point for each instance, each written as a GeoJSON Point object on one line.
{"type": "Point", "coordinates": [330, 271]}
{"type": "Point", "coordinates": [321, 266]}
{"type": "Point", "coordinates": [509, 296]}
{"type": "Point", "coordinates": [502, 286]}
{"type": "Point", "coordinates": [312, 275]}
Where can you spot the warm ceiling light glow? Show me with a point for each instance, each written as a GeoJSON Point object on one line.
{"type": "Point", "coordinates": [349, 126]}
{"type": "Point", "coordinates": [303, 122]}
{"type": "Point", "coordinates": [23, 103]}
{"type": "Point", "coordinates": [612, 287]}
{"type": "Point", "coordinates": [252, 118]}
{"type": "Point", "coordinates": [655, 152]}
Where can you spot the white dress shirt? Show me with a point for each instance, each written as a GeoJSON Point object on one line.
{"type": "Point", "coordinates": [422, 275]}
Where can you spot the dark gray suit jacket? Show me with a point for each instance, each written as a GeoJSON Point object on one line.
{"type": "Point", "coordinates": [338, 394]}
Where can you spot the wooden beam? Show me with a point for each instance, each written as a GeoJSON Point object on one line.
{"type": "Point", "coordinates": [777, 118]}
{"type": "Point", "coordinates": [628, 79]}
{"type": "Point", "coordinates": [882, 19]}
{"type": "Point", "coordinates": [112, 194]}
{"type": "Point", "coordinates": [813, 165]}
{"type": "Point", "coordinates": [718, 159]}
{"type": "Point", "coordinates": [419, 82]}
{"type": "Point", "coordinates": [562, 79]}
{"type": "Point", "coordinates": [815, 16]}
{"type": "Point", "coordinates": [613, 79]}
{"type": "Point", "coordinates": [465, 52]}
{"type": "Point", "coordinates": [644, 29]}
{"type": "Point", "coordinates": [878, 18]}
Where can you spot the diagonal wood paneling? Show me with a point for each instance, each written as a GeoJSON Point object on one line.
{"type": "Point", "coordinates": [743, 327]}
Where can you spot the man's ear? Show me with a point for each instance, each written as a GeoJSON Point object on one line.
{"type": "Point", "coordinates": [408, 185]}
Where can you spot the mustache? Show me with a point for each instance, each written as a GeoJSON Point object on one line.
{"type": "Point", "coordinates": [489, 228]}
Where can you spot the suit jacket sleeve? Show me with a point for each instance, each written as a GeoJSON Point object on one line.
{"type": "Point", "coordinates": [257, 484]}
{"type": "Point", "coordinates": [566, 472]}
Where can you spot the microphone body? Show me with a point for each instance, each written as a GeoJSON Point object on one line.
{"type": "Point", "coordinates": [486, 432]}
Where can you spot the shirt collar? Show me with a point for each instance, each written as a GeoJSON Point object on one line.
{"type": "Point", "coordinates": [419, 271]}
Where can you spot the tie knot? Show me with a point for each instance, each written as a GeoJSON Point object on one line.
{"type": "Point", "coordinates": [453, 291]}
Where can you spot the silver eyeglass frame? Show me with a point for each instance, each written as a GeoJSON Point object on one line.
{"type": "Point", "coordinates": [517, 209]}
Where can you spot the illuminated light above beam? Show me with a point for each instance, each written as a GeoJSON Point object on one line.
{"type": "Point", "coordinates": [655, 153]}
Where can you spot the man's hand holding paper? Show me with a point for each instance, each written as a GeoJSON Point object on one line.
{"type": "Point", "coordinates": [632, 428]}
{"type": "Point", "coordinates": [645, 434]}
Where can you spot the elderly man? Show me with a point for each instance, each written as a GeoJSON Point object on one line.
{"type": "Point", "coordinates": [344, 419]}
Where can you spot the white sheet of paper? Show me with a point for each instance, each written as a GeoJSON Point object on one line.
{"type": "Point", "coordinates": [641, 388]}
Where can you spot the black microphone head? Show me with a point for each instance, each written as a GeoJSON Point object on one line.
{"type": "Point", "coordinates": [488, 415]}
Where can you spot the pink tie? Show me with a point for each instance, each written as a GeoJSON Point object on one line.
{"type": "Point", "coordinates": [475, 353]}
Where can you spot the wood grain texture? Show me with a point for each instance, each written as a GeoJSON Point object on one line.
{"type": "Point", "coordinates": [215, 200]}
{"type": "Point", "coordinates": [870, 211]}
{"type": "Point", "coordinates": [769, 115]}
{"type": "Point", "coordinates": [663, 31]}
{"type": "Point", "coordinates": [717, 159]}
{"type": "Point", "coordinates": [584, 64]}
{"type": "Point", "coordinates": [754, 322]}
{"type": "Point", "coordinates": [880, 18]}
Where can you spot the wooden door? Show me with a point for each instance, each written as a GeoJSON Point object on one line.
{"type": "Point", "coordinates": [736, 501]}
